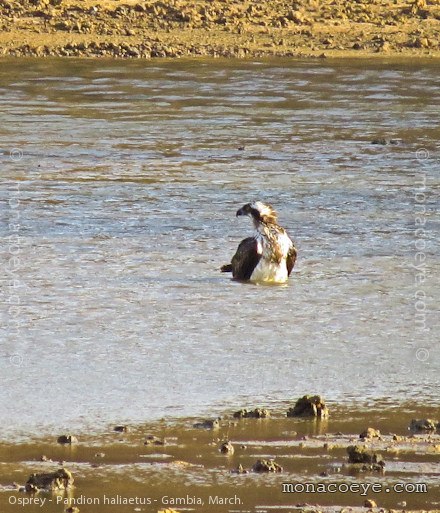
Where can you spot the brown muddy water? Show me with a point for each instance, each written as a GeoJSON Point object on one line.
{"type": "Point", "coordinates": [187, 468]}
{"type": "Point", "coordinates": [120, 182]}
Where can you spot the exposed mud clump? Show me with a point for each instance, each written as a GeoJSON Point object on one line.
{"type": "Point", "coordinates": [266, 466]}
{"type": "Point", "coordinates": [309, 406]}
{"type": "Point", "coordinates": [207, 424]}
{"type": "Point", "coordinates": [258, 413]}
{"type": "Point", "coordinates": [67, 439]}
{"type": "Point", "coordinates": [121, 429]}
{"type": "Point", "coordinates": [358, 454]}
{"type": "Point", "coordinates": [365, 459]}
{"type": "Point", "coordinates": [423, 425]}
{"type": "Point", "coordinates": [51, 481]}
{"type": "Point", "coordinates": [370, 433]}
{"type": "Point", "coordinates": [227, 448]}
{"type": "Point", "coordinates": [370, 504]}
{"type": "Point", "coordinates": [154, 440]}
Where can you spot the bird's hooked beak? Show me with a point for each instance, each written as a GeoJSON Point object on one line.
{"type": "Point", "coordinates": [244, 210]}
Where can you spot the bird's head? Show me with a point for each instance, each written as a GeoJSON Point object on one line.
{"type": "Point", "coordinates": [259, 212]}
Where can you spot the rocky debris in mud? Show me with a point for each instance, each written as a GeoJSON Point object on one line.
{"type": "Point", "coordinates": [227, 448]}
{"type": "Point", "coordinates": [144, 50]}
{"type": "Point", "coordinates": [267, 466]}
{"type": "Point", "coordinates": [154, 440]}
{"type": "Point", "coordinates": [423, 425]}
{"type": "Point", "coordinates": [59, 480]}
{"type": "Point", "coordinates": [257, 413]}
{"type": "Point", "coordinates": [370, 433]}
{"type": "Point", "coordinates": [309, 406]}
{"type": "Point", "coordinates": [369, 503]}
{"type": "Point", "coordinates": [67, 439]}
{"type": "Point", "coordinates": [207, 424]}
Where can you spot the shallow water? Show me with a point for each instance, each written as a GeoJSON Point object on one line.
{"type": "Point", "coordinates": [124, 179]}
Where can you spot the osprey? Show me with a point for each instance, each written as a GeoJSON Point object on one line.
{"type": "Point", "coordinates": [268, 256]}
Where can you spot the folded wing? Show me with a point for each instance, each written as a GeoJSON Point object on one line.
{"type": "Point", "coordinates": [245, 260]}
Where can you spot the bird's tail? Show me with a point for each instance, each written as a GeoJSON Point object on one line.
{"type": "Point", "coordinates": [227, 268]}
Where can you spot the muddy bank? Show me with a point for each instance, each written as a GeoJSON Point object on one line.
{"type": "Point", "coordinates": [276, 455]}
{"type": "Point", "coordinates": [227, 28]}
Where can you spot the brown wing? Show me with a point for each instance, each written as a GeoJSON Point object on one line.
{"type": "Point", "coordinates": [290, 260]}
{"type": "Point", "coordinates": [244, 261]}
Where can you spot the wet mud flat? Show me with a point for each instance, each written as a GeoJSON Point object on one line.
{"type": "Point", "coordinates": [246, 460]}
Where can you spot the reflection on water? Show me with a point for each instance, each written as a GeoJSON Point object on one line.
{"type": "Point", "coordinates": [125, 199]}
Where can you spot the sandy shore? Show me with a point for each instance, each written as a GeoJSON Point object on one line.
{"type": "Point", "coordinates": [227, 28]}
